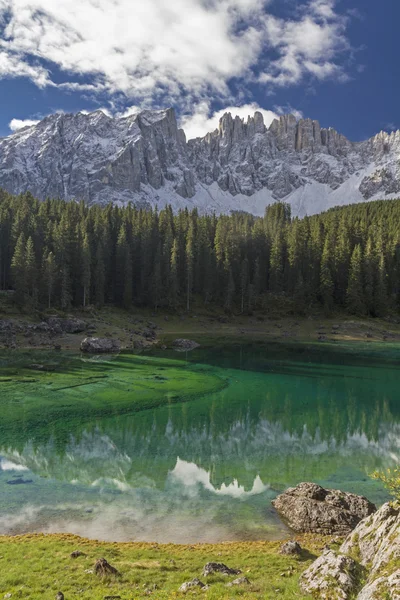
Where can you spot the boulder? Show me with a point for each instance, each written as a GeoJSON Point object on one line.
{"type": "Point", "coordinates": [103, 569]}
{"type": "Point", "coordinates": [376, 540]}
{"type": "Point", "coordinates": [309, 508]}
{"type": "Point", "coordinates": [330, 577]}
{"type": "Point", "coordinates": [366, 566]}
{"type": "Point", "coordinates": [212, 567]}
{"type": "Point", "coordinates": [100, 345]}
{"type": "Point", "coordinates": [69, 325]}
{"type": "Point", "coordinates": [238, 581]}
{"type": "Point", "coordinates": [291, 548]}
{"type": "Point", "coordinates": [387, 588]}
{"type": "Point", "coordinates": [188, 585]}
{"type": "Point", "coordinates": [181, 345]}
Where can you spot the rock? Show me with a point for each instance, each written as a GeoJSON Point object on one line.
{"type": "Point", "coordinates": [383, 588]}
{"type": "Point", "coordinates": [68, 325]}
{"type": "Point", "coordinates": [376, 540]}
{"type": "Point", "coordinates": [373, 549]}
{"type": "Point", "coordinates": [60, 596]}
{"type": "Point", "coordinates": [19, 481]}
{"type": "Point", "coordinates": [100, 345]}
{"type": "Point", "coordinates": [309, 508]}
{"type": "Point", "coordinates": [212, 567]}
{"type": "Point", "coordinates": [188, 585]}
{"type": "Point", "coordinates": [291, 548]}
{"type": "Point", "coordinates": [238, 581]}
{"type": "Point", "coordinates": [181, 345]}
{"type": "Point", "coordinates": [77, 554]}
{"type": "Point", "coordinates": [330, 577]}
{"type": "Point", "coordinates": [103, 569]}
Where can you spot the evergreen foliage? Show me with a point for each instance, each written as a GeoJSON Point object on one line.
{"type": "Point", "coordinates": [63, 254]}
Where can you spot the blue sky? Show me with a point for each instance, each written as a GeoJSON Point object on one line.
{"type": "Point", "coordinates": [335, 61]}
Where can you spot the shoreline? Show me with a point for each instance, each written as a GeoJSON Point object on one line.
{"type": "Point", "coordinates": [144, 330]}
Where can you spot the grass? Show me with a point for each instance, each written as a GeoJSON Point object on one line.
{"type": "Point", "coordinates": [38, 566]}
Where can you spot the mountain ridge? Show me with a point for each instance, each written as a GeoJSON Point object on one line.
{"type": "Point", "coordinates": [242, 165]}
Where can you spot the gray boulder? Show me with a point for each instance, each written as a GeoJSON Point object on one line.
{"type": "Point", "coordinates": [387, 588]}
{"type": "Point", "coordinates": [309, 508]}
{"type": "Point", "coordinates": [188, 585]}
{"type": "Point", "coordinates": [182, 344]}
{"type": "Point", "coordinates": [291, 548]}
{"type": "Point", "coordinates": [100, 345]}
{"type": "Point", "coordinates": [69, 325]}
{"type": "Point", "coordinates": [212, 567]}
{"type": "Point", "coordinates": [330, 577]}
{"type": "Point", "coordinates": [367, 563]}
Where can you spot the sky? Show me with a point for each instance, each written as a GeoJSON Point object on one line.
{"type": "Point", "coordinates": [330, 60]}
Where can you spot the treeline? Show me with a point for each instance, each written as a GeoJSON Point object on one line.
{"type": "Point", "coordinates": [66, 254]}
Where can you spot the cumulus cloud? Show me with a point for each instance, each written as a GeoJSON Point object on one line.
{"type": "Point", "coordinates": [178, 51]}
{"type": "Point", "coordinates": [202, 121]}
{"type": "Point", "coordinates": [17, 124]}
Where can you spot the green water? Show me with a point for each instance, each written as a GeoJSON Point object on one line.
{"type": "Point", "coordinates": [189, 447]}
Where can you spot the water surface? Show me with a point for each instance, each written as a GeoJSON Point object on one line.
{"type": "Point", "coordinates": [189, 447]}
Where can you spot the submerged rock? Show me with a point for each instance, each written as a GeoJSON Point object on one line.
{"type": "Point", "coordinates": [309, 508]}
{"type": "Point", "coordinates": [100, 345]}
{"type": "Point", "coordinates": [367, 563]}
{"type": "Point", "coordinates": [182, 344]}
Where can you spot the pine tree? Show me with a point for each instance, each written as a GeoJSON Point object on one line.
{"type": "Point", "coordinates": [86, 269]}
{"type": "Point", "coordinates": [49, 270]}
{"type": "Point", "coordinates": [326, 281]}
{"type": "Point", "coordinates": [173, 296]}
{"type": "Point", "coordinates": [99, 275]}
{"type": "Point", "coordinates": [355, 295]}
{"type": "Point", "coordinates": [189, 255]}
{"type": "Point", "coordinates": [18, 270]}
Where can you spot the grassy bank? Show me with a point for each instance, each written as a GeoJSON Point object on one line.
{"type": "Point", "coordinates": [38, 566]}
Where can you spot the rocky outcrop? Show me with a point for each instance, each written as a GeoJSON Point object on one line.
{"type": "Point", "coordinates": [145, 158]}
{"type": "Point", "coordinates": [212, 567]}
{"type": "Point", "coordinates": [366, 566]}
{"type": "Point", "coordinates": [331, 577]}
{"type": "Point", "coordinates": [310, 508]}
{"type": "Point", "coordinates": [100, 345]}
{"type": "Point", "coordinates": [68, 325]}
{"type": "Point", "coordinates": [190, 585]}
{"type": "Point", "coordinates": [181, 345]}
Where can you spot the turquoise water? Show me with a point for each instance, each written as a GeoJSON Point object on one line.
{"type": "Point", "coordinates": [242, 424]}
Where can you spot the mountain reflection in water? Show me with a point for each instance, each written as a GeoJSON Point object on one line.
{"type": "Point", "coordinates": [207, 470]}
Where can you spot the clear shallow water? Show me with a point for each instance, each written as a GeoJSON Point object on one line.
{"type": "Point", "coordinates": [236, 426]}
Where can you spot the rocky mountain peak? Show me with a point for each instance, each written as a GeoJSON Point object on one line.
{"type": "Point", "coordinates": [242, 165]}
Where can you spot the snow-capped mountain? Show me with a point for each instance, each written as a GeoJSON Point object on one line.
{"type": "Point", "coordinates": [145, 158]}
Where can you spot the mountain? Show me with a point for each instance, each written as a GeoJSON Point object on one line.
{"type": "Point", "coordinates": [242, 165]}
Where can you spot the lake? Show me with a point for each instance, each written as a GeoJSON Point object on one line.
{"type": "Point", "coordinates": [190, 447]}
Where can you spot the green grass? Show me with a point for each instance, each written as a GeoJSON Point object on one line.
{"type": "Point", "coordinates": [38, 566]}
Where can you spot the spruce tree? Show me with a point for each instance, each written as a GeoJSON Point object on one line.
{"type": "Point", "coordinates": [355, 294]}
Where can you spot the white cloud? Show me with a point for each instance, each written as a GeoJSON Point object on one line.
{"type": "Point", "coordinates": [17, 124]}
{"type": "Point", "coordinates": [179, 51]}
{"type": "Point", "coordinates": [201, 122]}
{"type": "Point", "coordinates": [308, 45]}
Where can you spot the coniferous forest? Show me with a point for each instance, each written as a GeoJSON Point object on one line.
{"type": "Point", "coordinates": [58, 254]}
